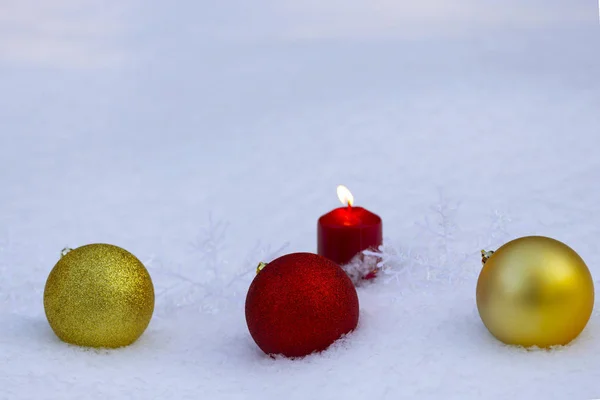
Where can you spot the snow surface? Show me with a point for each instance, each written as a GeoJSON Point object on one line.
{"type": "Point", "coordinates": [207, 136]}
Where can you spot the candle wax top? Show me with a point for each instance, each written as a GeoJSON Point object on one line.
{"type": "Point", "coordinates": [349, 217]}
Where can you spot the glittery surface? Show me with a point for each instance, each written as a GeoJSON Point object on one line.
{"type": "Point", "coordinates": [535, 291]}
{"type": "Point", "coordinates": [99, 295]}
{"type": "Point", "coordinates": [300, 303]}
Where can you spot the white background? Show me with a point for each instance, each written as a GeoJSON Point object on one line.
{"type": "Point", "coordinates": [204, 137]}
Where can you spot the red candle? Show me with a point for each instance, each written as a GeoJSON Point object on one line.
{"type": "Point", "coordinates": [347, 231]}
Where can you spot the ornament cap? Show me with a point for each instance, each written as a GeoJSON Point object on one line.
{"type": "Point", "coordinates": [485, 255]}
{"type": "Point", "coordinates": [260, 267]}
{"type": "Point", "coordinates": [64, 251]}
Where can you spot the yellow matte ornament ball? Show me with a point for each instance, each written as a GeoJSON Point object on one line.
{"type": "Point", "coordinates": [99, 295]}
{"type": "Point", "coordinates": [535, 291]}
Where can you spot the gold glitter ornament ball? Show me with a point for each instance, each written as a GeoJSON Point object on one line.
{"type": "Point", "coordinates": [535, 291]}
{"type": "Point", "coordinates": [99, 295]}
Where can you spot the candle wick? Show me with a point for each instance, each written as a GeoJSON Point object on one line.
{"type": "Point", "coordinates": [349, 206]}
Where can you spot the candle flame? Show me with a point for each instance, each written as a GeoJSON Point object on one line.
{"type": "Point", "coordinates": [345, 196]}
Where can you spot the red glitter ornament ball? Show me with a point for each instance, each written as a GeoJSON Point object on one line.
{"type": "Point", "coordinates": [300, 303]}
